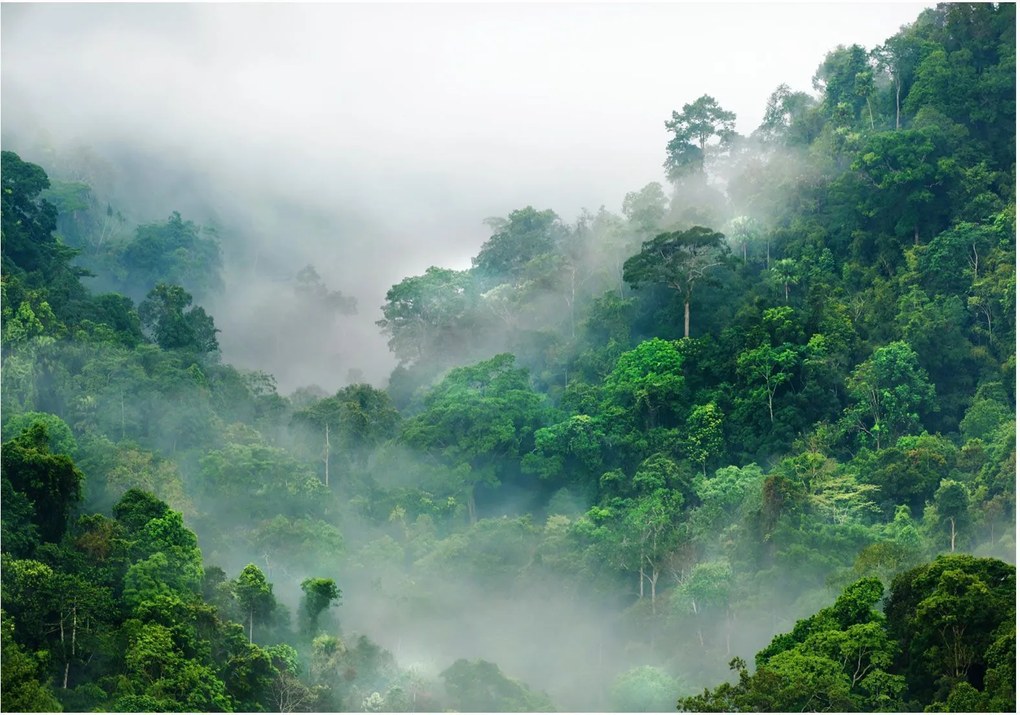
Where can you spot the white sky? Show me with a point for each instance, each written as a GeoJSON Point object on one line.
{"type": "Point", "coordinates": [426, 118]}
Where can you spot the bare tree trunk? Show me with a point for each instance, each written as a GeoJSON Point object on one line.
{"type": "Point", "coordinates": [327, 454]}
{"type": "Point", "coordinates": [952, 534]}
{"type": "Point", "coordinates": [251, 624]}
{"type": "Point", "coordinates": [653, 580]}
{"type": "Point", "coordinates": [74, 642]}
{"type": "Point", "coordinates": [641, 579]}
{"type": "Point", "coordinates": [897, 103]}
{"type": "Point", "coordinates": [870, 115]}
{"type": "Point", "coordinates": [67, 661]}
{"type": "Point", "coordinates": [687, 318]}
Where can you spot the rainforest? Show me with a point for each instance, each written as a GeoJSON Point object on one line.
{"type": "Point", "coordinates": [744, 441]}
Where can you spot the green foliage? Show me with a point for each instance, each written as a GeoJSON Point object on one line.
{"type": "Point", "coordinates": [50, 482]}
{"type": "Point", "coordinates": [24, 686]}
{"type": "Point", "coordinates": [428, 314]}
{"type": "Point", "coordinates": [173, 325]}
{"type": "Point", "coordinates": [254, 595]}
{"type": "Point", "coordinates": [943, 616]}
{"type": "Point", "coordinates": [700, 121]}
{"type": "Point", "coordinates": [172, 253]}
{"type": "Point", "coordinates": [870, 314]}
{"type": "Point", "coordinates": [890, 392]}
{"type": "Point", "coordinates": [519, 241]}
{"type": "Point", "coordinates": [680, 260]}
{"type": "Point", "coordinates": [646, 382]}
{"type": "Point", "coordinates": [478, 420]}
{"type": "Point", "coordinates": [643, 689]}
{"type": "Point", "coordinates": [320, 593]}
{"type": "Point", "coordinates": [479, 686]}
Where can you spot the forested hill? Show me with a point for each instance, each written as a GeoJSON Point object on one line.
{"type": "Point", "coordinates": [746, 445]}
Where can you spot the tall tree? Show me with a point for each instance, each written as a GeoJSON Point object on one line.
{"type": "Point", "coordinates": [678, 259]}
{"type": "Point", "coordinates": [255, 596]}
{"type": "Point", "coordinates": [700, 121]}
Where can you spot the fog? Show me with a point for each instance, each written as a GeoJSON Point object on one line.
{"type": "Point", "coordinates": [371, 141]}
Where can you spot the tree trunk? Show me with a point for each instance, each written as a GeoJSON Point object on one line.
{"type": "Point", "coordinates": [327, 454]}
{"type": "Point", "coordinates": [687, 318]}
{"type": "Point", "coordinates": [952, 534]}
{"type": "Point", "coordinates": [641, 579]}
{"type": "Point", "coordinates": [653, 580]}
{"type": "Point", "coordinates": [472, 513]}
{"type": "Point", "coordinates": [870, 115]}
{"type": "Point", "coordinates": [897, 103]}
{"type": "Point", "coordinates": [251, 624]}
{"type": "Point", "coordinates": [787, 287]}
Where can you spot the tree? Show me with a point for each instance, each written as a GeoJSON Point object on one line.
{"type": "Point", "coordinates": [678, 259]}
{"type": "Point", "coordinates": [647, 381]}
{"type": "Point", "coordinates": [651, 523]}
{"type": "Point", "coordinates": [786, 117]}
{"type": "Point", "coordinates": [523, 237]}
{"type": "Point", "coordinates": [703, 436]}
{"type": "Point", "coordinates": [945, 616]}
{"type": "Point", "coordinates": [51, 482]}
{"type": "Point", "coordinates": [478, 421]}
{"type": "Point", "coordinates": [643, 689]}
{"type": "Point", "coordinates": [889, 392]}
{"type": "Point", "coordinates": [951, 504]}
{"type": "Point", "coordinates": [768, 367]}
{"type": "Point", "coordinates": [168, 320]}
{"type": "Point", "coordinates": [255, 596]}
{"type": "Point", "coordinates": [845, 78]}
{"type": "Point", "coordinates": [747, 231]}
{"type": "Point", "coordinates": [355, 419]}
{"type": "Point", "coordinates": [705, 590]}
{"type": "Point", "coordinates": [173, 253]}
{"type": "Point", "coordinates": [320, 593]}
{"type": "Point", "coordinates": [692, 129]}
{"type": "Point", "coordinates": [645, 209]}
{"type": "Point", "coordinates": [839, 659]}
{"type": "Point", "coordinates": [30, 250]}
{"type": "Point", "coordinates": [23, 677]}
{"type": "Point", "coordinates": [429, 315]}
{"type": "Point", "coordinates": [785, 271]}
{"type": "Point", "coordinates": [480, 686]}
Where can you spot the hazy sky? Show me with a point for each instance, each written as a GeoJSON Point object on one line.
{"type": "Point", "coordinates": [420, 119]}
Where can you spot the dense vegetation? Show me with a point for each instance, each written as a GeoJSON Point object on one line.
{"type": "Point", "coordinates": [775, 396]}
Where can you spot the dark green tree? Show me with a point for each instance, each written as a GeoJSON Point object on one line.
{"type": "Point", "coordinates": [172, 324]}
{"type": "Point", "coordinates": [680, 260]}
{"type": "Point", "coordinates": [320, 594]}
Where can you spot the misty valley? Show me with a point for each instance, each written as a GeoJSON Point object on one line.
{"type": "Point", "coordinates": [747, 443]}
